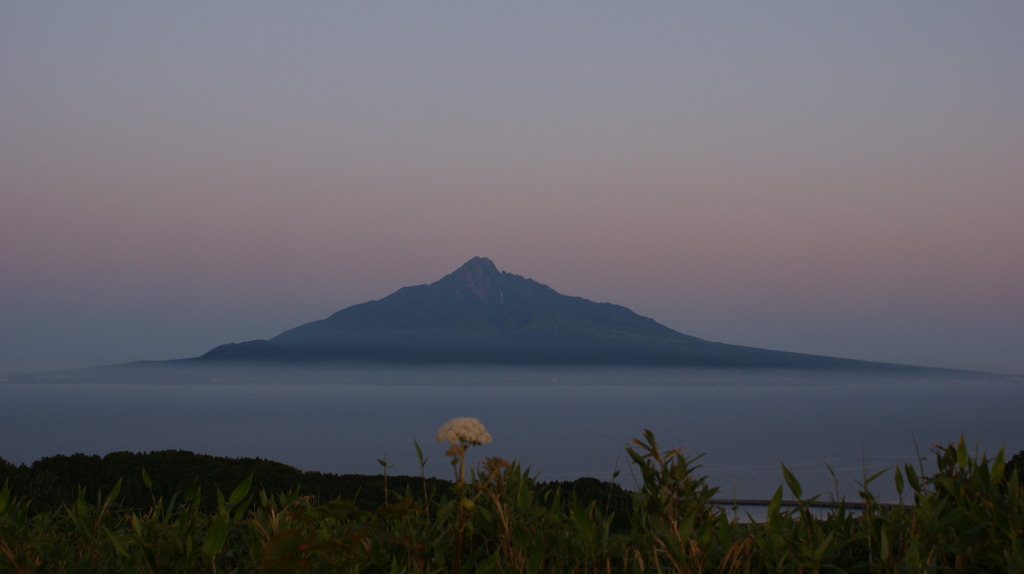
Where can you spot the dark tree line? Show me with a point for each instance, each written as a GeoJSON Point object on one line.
{"type": "Point", "coordinates": [160, 475]}
{"type": "Point", "coordinates": [57, 480]}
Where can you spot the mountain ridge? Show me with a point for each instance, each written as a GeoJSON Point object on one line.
{"type": "Point", "coordinates": [479, 314]}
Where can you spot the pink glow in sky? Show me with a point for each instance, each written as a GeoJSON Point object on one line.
{"type": "Point", "coordinates": [841, 179]}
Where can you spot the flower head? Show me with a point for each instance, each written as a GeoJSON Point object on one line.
{"type": "Point", "coordinates": [463, 430]}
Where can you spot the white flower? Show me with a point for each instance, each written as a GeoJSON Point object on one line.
{"type": "Point", "coordinates": [463, 430]}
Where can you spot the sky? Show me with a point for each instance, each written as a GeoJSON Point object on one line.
{"type": "Point", "coordinates": [843, 179]}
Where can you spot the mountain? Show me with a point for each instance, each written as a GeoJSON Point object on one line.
{"type": "Point", "coordinates": [478, 314]}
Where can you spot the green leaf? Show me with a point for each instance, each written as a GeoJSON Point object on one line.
{"type": "Point", "coordinates": [884, 551]}
{"type": "Point", "coordinates": [240, 491]}
{"type": "Point", "coordinates": [912, 557]}
{"type": "Point", "coordinates": [947, 484]}
{"type": "Point", "coordinates": [118, 544]}
{"type": "Point", "coordinates": [775, 504]}
{"type": "Point", "coordinates": [193, 494]}
{"type": "Point", "coordinates": [875, 476]}
{"type": "Point", "coordinates": [912, 478]}
{"type": "Point", "coordinates": [819, 552]}
{"type": "Point", "coordinates": [583, 521]}
{"type": "Point", "coordinates": [419, 454]}
{"type": "Point", "coordinates": [792, 482]}
{"type": "Point", "coordinates": [112, 495]}
{"type": "Point", "coordinates": [81, 507]}
{"type": "Point", "coordinates": [998, 467]}
{"type": "Point", "coordinates": [961, 454]}
{"type": "Point", "coordinates": [489, 564]}
{"type": "Point", "coordinates": [216, 535]}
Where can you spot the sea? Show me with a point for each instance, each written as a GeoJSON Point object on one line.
{"type": "Point", "coordinates": [832, 429]}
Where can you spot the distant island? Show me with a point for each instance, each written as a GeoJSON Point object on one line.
{"type": "Point", "coordinates": [478, 314]}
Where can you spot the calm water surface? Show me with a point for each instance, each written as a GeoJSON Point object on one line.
{"type": "Point", "coordinates": [563, 423]}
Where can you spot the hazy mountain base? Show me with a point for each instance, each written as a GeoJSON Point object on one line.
{"type": "Point", "coordinates": [356, 372]}
{"type": "Point", "coordinates": [409, 350]}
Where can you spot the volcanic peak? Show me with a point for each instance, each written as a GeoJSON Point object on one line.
{"type": "Point", "coordinates": [478, 277]}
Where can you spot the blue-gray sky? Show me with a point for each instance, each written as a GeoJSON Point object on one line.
{"type": "Point", "coordinates": [836, 178]}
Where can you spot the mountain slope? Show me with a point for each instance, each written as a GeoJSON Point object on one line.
{"type": "Point", "coordinates": [480, 314]}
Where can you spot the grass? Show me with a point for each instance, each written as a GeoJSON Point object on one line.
{"type": "Point", "coordinates": [966, 514]}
